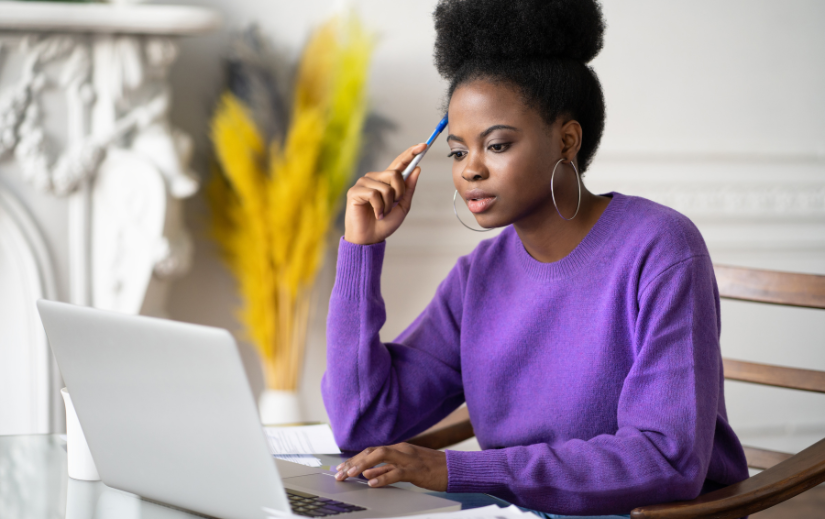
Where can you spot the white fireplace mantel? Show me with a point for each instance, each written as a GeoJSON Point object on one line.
{"type": "Point", "coordinates": [92, 177]}
{"type": "Point", "coordinates": [176, 20]}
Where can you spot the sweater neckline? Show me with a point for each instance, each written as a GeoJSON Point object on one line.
{"type": "Point", "coordinates": [584, 251]}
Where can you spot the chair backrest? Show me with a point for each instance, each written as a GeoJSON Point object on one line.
{"type": "Point", "coordinates": [779, 288]}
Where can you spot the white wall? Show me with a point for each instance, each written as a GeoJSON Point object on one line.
{"type": "Point", "coordinates": [716, 108]}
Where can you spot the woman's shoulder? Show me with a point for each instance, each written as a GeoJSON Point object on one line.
{"type": "Point", "coordinates": [655, 238]}
{"type": "Point", "coordinates": [650, 226]}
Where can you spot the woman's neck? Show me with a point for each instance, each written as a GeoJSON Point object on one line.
{"type": "Point", "coordinates": [549, 238]}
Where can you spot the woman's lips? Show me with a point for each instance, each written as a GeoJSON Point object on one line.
{"type": "Point", "coordinates": [478, 201]}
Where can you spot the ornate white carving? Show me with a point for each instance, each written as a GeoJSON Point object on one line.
{"type": "Point", "coordinates": [173, 256]}
{"type": "Point", "coordinates": [100, 71]}
{"type": "Point", "coordinates": [134, 88]}
{"type": "Point", "coordinates": [21, 129]}
{"type": "Point", "coordinates": [119, 83]}
{"type": "Point", "coordinates": [130, 197]}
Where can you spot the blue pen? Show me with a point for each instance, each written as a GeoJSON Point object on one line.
{"type": "Point", "coordinates": [417, 158]}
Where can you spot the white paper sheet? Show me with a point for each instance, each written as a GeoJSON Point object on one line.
{"type": "Point", "coordinates": [304, 439]}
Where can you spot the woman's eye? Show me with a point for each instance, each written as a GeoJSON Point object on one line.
{"type": "Point", "coordinates": [499, 147]}
{"type": "Point", "coordinates": [457, 154]}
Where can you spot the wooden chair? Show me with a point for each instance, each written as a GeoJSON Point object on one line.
{"type": "Point", "coordinates": [784, 475]}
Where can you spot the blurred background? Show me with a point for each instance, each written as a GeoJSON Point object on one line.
{"type": "Point", "coordinates": [714, 108]}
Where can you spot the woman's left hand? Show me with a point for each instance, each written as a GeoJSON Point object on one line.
{"type": "Point", "coordinates": [426, 468]}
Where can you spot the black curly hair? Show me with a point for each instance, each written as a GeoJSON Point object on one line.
{"type": "Point", "coordinates": [542, 47]}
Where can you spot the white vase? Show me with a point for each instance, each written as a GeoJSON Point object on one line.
{"type": "Point", "coordinates": [80, 461]}
{"type": "Point", "coordinates": [279, 407]}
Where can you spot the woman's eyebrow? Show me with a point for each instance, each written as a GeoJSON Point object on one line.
{"type": "Point", "coordinates": [485, 133]}
{"type": "Point", "coordinates": [495, 127]}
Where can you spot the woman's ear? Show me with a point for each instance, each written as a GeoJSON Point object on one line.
{"type": "Point", "coordinates": [571, 140]}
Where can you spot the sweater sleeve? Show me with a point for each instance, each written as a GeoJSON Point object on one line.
{"type": "Point", "coordinates": [377, 393]}
{"type": "Point", "coordinates": [666, 416]}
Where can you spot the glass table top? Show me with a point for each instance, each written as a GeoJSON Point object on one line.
{"type": "Point", "coordinates": [34, 484]}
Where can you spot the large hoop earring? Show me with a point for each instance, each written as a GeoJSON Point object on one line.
{"type": "Point", "coordinates": [553, 194]}
{"type": "Point", "coordinates": [459, 218]}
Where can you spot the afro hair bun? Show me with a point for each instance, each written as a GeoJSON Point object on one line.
{"type": "Point", "coordinates": [472, 30]}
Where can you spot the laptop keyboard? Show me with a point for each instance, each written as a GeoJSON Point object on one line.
{"type": "Point", "coordinates": [314, 506]}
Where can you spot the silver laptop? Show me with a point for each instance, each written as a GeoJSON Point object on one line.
{"type": "Point", "coordinates": [169, 415]}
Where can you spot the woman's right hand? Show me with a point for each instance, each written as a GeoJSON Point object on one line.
{"type": "Point", "coordinates": [378, 202]}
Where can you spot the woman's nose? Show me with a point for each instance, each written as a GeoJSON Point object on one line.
{"type": "Point", "coordinates": [474, 171]}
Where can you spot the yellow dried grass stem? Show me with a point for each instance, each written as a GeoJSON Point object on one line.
{"type": "Point", "coordinates": [273, 205]}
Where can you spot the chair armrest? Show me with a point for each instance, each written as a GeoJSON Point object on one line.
{"type": "Point", "coordinates": [453, 429]}
{"type": "Point", "coordinates": [779, 483]}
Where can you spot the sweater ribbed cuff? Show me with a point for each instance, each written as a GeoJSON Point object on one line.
{"type": "Point", "coordinates": [358, 270]}
{"type": "Point", "coordinates": [476, 471]}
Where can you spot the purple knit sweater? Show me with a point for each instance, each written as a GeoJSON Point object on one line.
{"type": "Point", "coordinates": [594, 383]}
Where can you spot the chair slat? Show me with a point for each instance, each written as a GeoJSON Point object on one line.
{"type": "Point", "coordinates": [455, 428]}
{"type": "Point", "coordinates": [770, 286]}
{"type": "Point", "coordinates": [778, 376]}
{"type": "Point", "coordinates": [764, 459]}
{"type": "Point", "coordinates": [779, 483]}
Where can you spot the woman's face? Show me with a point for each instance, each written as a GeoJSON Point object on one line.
{"type": "Point", "coordinates": [503, 153]}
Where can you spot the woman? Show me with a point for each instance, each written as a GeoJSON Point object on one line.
{"type": "Point", "coordinates": [584, 338]}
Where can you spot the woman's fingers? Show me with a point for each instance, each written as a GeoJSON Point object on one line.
{"type": "Point", "coordinates": [403, 160]}
{"type": "Point", "coordinates": [394, 475]}
{"type": "Point", "coordinates": [396, 182]}
{"type": "Point", "coordinates": [388, 194]}
{"type": "Point", "coordinates": [380, 455]}
{"type": "Point", "coordinates": [406, 201]}
{"type": "Point", "coordinates": [389, 185]}
{"type": "Point", "coordinates": [363, 194]}
{"type": "Point", "coordinates": [426, 468]}
{"type": "Point", "coordinates": [347, 466]}
{"type": "Point", "coordinates": [377, 471]}
{"type": "Point", "coordinates": [394, 190]}
{"type": "Point", "coordinates": [367, 459]}
{"type": "Point", "coordinates": [374, 196]}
